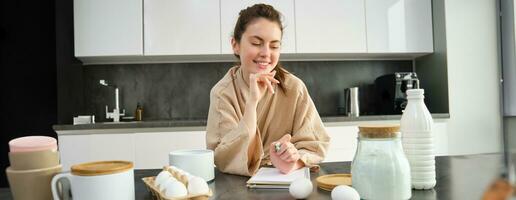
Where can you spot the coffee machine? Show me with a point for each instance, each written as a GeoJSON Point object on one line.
{"type": "Point", "coordinates": [391, 91]}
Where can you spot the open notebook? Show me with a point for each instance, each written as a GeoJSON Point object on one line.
{"type": "Point", "coordinates": [267, 177]}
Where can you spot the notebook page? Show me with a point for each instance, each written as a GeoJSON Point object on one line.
{"type": "Point", "coordinates": [273, 175]}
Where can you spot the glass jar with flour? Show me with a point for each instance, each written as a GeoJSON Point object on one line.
{"type": "Point", "coordinates": [380, 169]}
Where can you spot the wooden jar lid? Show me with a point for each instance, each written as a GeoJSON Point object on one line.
{"type": "Point", "coordinates": [101, 168]}
{"type": "Point", "coordinates": [328, 182]}
{"type": "Point", "coordinates": [379, 131]}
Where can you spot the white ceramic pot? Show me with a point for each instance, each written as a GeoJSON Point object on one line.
{"type": "Point", "coordinates": [196, 162]}
{"type": "Point", "coordinates": [107, 182]}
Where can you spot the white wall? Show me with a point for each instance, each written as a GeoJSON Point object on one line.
{"type": "Point", "coordinates": [471, 34]}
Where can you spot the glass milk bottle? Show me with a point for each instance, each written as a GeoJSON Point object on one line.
{"type": "Point", "coordinates": [417, 139]}
{"type": "Point", "coordinates": [380, 169]}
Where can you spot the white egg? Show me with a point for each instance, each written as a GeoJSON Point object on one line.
{"type": "Point", "coordinates": [175, 189]}
{"type": "Point", "coordinates": [301, 188]}
{"type": "Point", "coordinates": [162, 176]}
{"type": "Point", "coordinates": [163, 184]}
{"type": "Point", "coordinates": [197, 185]}
{"type": "Point", "coordinates": [344, 192]}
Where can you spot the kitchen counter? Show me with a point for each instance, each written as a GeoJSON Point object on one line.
{"type": "Point", "coordinates": [199, 124]}
{"type": "Point", "coordinates": [458, 177]}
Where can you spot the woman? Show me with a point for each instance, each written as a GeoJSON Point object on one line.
{"type": "Point", "coordinates": [258, 107]}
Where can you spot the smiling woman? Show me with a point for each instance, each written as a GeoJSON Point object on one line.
{"type": "Point", "coordinates": [247, 118]}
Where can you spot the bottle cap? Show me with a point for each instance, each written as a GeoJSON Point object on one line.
{"type": "Point", "coordinates": [415, 92]}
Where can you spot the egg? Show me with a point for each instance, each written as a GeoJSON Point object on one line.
{"type": "Point", "coordinates": [175, 189]}
{"type": "Point", "coordinates": [344, 192]}
{"type": "Point", "coordinates": [197, 185]}
{"type": "Point", "coordinates": [162, 176]}
{"type": "Point", "coordinates": [163, 184]}
{"type": "Point", "coordinates": [301, 188]}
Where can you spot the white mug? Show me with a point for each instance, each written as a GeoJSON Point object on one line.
{"type": "Point", "coordinates": [115, 186]}
{"type": "Point", "coordinates": [196, 162]}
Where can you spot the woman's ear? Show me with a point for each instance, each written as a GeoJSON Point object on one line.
{"type": "Point", "coordinates": [235, 46]}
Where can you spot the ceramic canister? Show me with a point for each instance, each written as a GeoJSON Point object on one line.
{"type": "Point", "coordinates": [31, 184]}
{"type": "Point", "coordinates": [104, 180]}
{"type": "Point", "coordinates": [198, 162]}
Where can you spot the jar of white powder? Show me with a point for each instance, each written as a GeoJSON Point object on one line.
{"type": "Point", "coordinates": [380, 169]}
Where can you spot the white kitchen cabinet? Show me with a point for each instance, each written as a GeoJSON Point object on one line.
{"type": "Point", "coordinates": [229, 10]}
{"type": "Point", "coordinates": [75, 149]}
{"type": "Point", "coordinates": [181, 27]}
{"type": "Point", "coordinates": [112, 147]}
{"type": "Point", "coordinates": [343, 143]}
{"type": "Point", "coordinates": [147, 150]}
{"type": "Point", "coordinates": [399, 26]}
{"type": "Point", "coordinates": [152, 148]}
{"type": "Point", "coordinates": [330, 26]}
{"type": "Point", "coordinates": [108, 28]}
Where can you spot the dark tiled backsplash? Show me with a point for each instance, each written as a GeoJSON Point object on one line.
{"type": "Point", "coordinates": [181, 91]}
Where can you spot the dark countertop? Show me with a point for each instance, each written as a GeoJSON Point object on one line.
{"type": "Point", "coordinates": [201, 123]}
{"type": "Point", "coordinates": [458, 177]}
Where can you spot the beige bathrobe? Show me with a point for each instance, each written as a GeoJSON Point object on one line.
{"type": "Point", "coordinates": [277, 114]}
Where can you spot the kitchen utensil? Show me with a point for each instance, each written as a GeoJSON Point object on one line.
{"type": "Point", "coordinates": [348, 102]}
{"type": "Point", "coordinates": [105, 180]}
{"type": "Point", "coordinates": [196, 162]}
{"type": "Point", "coordinates": [31, 184]}
{"type": "Point", "coordinates": [33, 159]}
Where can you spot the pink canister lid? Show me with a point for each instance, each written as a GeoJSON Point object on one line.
{"type": "Point", "coordinates": [32, 143]}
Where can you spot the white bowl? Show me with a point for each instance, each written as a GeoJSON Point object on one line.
{"type": "Point", "coordinates": [197, 162]}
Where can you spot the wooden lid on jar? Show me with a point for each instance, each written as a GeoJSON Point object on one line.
{"type": "Point", "coordinates": [101, 168]}
{"type": "Point", "coordinates": [379, 131]}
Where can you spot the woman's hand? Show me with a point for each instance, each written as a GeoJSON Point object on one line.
{"type": "Point", "coordinates": [287, 158]}
{"type": "Point", "coordinates": [259, 83]}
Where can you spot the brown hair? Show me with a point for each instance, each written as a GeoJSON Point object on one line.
{"type": "Point", "coordinates": [246, 16]}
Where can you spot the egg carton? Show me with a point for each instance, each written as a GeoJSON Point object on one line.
{"type": "Point", "coordinates": [158, 195]}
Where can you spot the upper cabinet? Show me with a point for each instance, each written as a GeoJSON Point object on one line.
{"type": "Point", "coordinates": [399, 26]}
{"type": "Point", "coordinates": [229, 10]}
{"type": "Point", "coordinates": [146, 31]}
{"type": "Point", "coordinates": [108, 28]}
{"type": "Point", "coordinates": [330, 26]}
{"type": "Point", "coordinates": [181, 27]}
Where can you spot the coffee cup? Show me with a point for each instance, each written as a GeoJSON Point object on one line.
{"type": "Point", "coordinates": [34, 159]}
{"type": "Point", "coordinates": [197, 162]}
{"type": "Point", "coordinates": [31, 184]}
{"type": "Point", "coordinates": [104, 180]}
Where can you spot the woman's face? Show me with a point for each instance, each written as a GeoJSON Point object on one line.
{"type": "Point", "coordinates": [259, 47]}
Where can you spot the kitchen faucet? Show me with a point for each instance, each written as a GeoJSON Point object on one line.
{"type": "Point", "coordinates": [115, 115]}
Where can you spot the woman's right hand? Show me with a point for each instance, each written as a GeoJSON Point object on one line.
{"type": "Point", "coordinates": [259, 83]}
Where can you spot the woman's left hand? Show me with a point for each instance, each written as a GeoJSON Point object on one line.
{"type": "Point", "coordinates": [287, 158]}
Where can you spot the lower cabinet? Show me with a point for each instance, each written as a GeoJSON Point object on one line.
{"type": "Point", "coordinates": [152, 148]}
{"type": "Point", "coordinates": [148, 150]}
{"type": "Point", "coordinates": [343, 142]}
